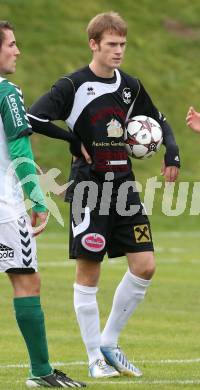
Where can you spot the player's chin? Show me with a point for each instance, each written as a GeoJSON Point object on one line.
{"type": "Point", "coordinates": [117, 63]}
{"type": "Point", "coordinates": [11, 69]}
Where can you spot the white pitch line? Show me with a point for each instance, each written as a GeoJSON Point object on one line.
{"type": "Point", "coordinates": [170, 361]}
{"type": "Point", "coordinates": [72, 263]}
{"type": "Point", "coordinates": [158, 249]}
{"type": "Point", "coordinates": [155, 382]}
{"type": "Point", "coordinates": [55, 264]}
{"type": "Point", "coordinates": [84, 363]}
{"type": "Point", "coordinates": [164, 233]}
{"type": "Point", "coordinates": [134, 382]}
{"type": "Point", "coordinates": [107, 263]}
{"type": "Point", "coordinates": [43, 245]}
{"type": "Point", "coordinates": [179, 234]}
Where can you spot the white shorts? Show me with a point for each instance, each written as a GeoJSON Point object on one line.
{"type": "Point", "coordinates": [17, 247]}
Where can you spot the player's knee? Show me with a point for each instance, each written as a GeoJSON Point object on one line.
{"type": "Point", "coordinates": [143, 265]}
{"type": "Point", "coordinates": [87, 280]}
{"type": "Point", "coordinates": [148, 267]}
{"type": "Point", "coordinates": [26, 291]}
{"type": "Point", "coordinates": [87, 273]}
{"type": "Point", "coordinates": [34, 286]}
{"type": "Point", "coordinates": [149, 270]}
{"type": "Point", "coordinates": [34, 290]}
{"type": "Point", "coordinates": [26, 285]}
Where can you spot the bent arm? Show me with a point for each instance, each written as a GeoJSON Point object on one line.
{"type": "Point", "coordinates": [56, 104]}
{"type": "Point", "coordinates": [143, 104]}
{"type": "Point", "coordinates": [20, 152]}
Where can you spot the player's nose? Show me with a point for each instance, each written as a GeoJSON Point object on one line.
{"type": "Point", "coordinates": [119, 49]}
{"type": "Point", "coordinates": [17, 51]}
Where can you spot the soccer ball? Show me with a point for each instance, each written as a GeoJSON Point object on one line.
{"type": "Point", "coordinates": [143, 136]}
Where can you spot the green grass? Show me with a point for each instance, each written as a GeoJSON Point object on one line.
{"type": "Point", "coordinates": [162, 337]}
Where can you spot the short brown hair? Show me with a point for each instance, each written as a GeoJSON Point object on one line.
{"type": "Point", "coordinates": [4, 25]}
{"type": "Point", "coordinates": [108, 21]}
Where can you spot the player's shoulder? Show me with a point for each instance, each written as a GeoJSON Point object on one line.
{"type": "Point", "coordinates": [7, 88]}
{"type": "Point", "coordinates": [80, 76]}
{"type": "Point", "coordinates": [131, 81]}
{"type": "Point", "coordinates": [82, 72]}
{"type": "Point", "coordinates": [71, 81]}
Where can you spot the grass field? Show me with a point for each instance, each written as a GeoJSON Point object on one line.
{"type": "Point", "coordinates": [162, 337]}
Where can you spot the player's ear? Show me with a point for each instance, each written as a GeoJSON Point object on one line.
{"type": "Point", "coordinates": [93, 44]}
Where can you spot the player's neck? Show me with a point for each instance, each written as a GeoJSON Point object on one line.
{"type": "Point", "coordinates": [101, 71]}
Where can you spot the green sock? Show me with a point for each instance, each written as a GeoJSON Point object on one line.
{"type": "Point", "coordinates": [30, 319]}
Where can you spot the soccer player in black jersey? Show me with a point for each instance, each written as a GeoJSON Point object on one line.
{"type": "Point", "coordinates": [95, 103]}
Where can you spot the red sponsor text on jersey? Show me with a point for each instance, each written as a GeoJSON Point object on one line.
{"type": "Point", "coordinates": [108, 111]}
{"type": "Point", "coordinates": [93, 242]}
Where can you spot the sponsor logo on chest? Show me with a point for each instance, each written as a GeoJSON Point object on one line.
{"type": "Point", "coordinates": [15, 110]}
{"type": "Point", "coordinates": [90, 91]}
{"type": "Point", "coordinates": [114, 128]}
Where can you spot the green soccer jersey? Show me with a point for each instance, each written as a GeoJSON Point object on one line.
{"type": "Point", "coordinates": [13, 125]}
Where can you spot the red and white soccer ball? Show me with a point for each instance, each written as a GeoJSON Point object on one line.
{"type": "Point", "coordinates": [143, 137]}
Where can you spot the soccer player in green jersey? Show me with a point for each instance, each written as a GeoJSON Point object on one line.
{"type": "Point", "coordinates": [17, 241]}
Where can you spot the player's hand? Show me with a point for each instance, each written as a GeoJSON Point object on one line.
{"type": "Point", "coordinates": [193, 119]}
{"type": "Point", "coordinates": [85, 154]}
{"type": "Point", "coordinates": [170, 173]}
{"type": "Point", "coordinates": [78, 150]}
{"type": "Point", "coordinates": [41, 218]}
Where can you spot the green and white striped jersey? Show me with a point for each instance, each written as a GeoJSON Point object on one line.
{"type": "Point", "coordinates": [14, 123]}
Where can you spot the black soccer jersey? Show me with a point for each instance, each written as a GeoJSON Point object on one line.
{"type": "Point", "coordinates": [96, 109]}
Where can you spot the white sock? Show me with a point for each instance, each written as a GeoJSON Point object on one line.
{"type": "Point", "coordinates": [87, 314]}
{"type": "Point", "coordinates": [129, 293]}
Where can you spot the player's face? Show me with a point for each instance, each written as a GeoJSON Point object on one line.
{"type": "Point", "coordinates": [109, 52]}
{"type": "Point", "coordinates": [8, 53]}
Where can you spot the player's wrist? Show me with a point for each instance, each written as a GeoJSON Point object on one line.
{"type": "Point", "coordinates": [75, 146]}
{"type": "Point", "coordinates": [172, 157]}
{"type": "Point", "coordinates": [39, 208]}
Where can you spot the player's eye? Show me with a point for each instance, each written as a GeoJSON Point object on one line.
{"type": "Point", "coordinates": [12, 44]}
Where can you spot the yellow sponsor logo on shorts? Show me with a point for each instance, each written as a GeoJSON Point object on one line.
{"type": "Point", "coordinates": [142, 234]}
